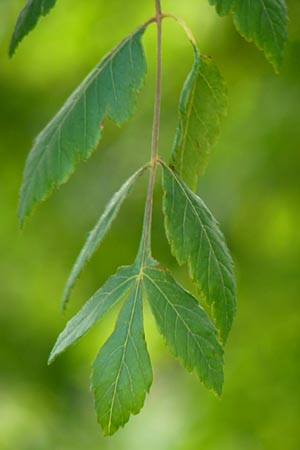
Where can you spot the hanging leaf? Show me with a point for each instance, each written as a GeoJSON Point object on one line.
{"type": "Point", "coordinates": [261, 21]}
{"type": "Point", "coordinates": [27, 20]}
{"type": "Point", "coordinates": [108, 91]}
{"type": "Point", "coordinates": [116, 287]}
{"type": "Point", "coordinates": [203, 103]}
{"type": "Point", "coordinates": [98, 232]}
{"type": "Point", "coordinates": [122, 373]}
{"type": "Point", "coordinates": [187, 330]}
{"type": "Point", "coordinates": [196, 239]}
{"type": "Point", "coordinates": [223, 7]}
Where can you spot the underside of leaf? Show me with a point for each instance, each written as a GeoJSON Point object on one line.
{"type": "Point", "coordinates": [72, 135]}
{"type": "Point", "coordinates": [27, 20]}
{"type": "Point", "coordinates": [203, 103]}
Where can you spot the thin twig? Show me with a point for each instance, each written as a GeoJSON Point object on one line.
{"type": "Point", "coordinates": [155, 139]}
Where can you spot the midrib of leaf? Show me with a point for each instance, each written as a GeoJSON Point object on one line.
{"type": "Point", "coordinates": [122, 362]}
{"type": "Point", "coordinates": [190, 333]}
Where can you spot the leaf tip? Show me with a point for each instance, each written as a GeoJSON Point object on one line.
{"type": "Point", "coordinates": [218, 392]}
{"type": "Point", "coordinates": [65, 299]}
{"type": "Point", "coordinates": [11, 50]}
{"type": "Point", "coordinates": [51, 358]}
{"type": "Point", "coordinates": [21, 219]}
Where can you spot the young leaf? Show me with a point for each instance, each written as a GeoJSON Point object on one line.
{"type": "Point", "coordinates": [122, 373]}
{"type": "Point", "coordinates": [261, 21]}
{"type": "Point", "coordinates": [196, 239]}
{"type": "Point", "coordinates": [27, 20]}
{"type": "Point", "coordinates": [96, 235]}
{"type": "Point", "coordinates": [108, 91]}
{"type": "Point", "coordinates": [201, 107]}
{"type": "Point", "coordinates": [185, 327]}
{"type": "Point", "coordinates": [112, 291]}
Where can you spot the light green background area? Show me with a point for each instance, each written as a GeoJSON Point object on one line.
{"type": "Point", "coordinates": [252, 185]}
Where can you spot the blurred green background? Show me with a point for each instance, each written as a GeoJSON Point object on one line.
{"type": "Point", "coordinates": [252, 185]}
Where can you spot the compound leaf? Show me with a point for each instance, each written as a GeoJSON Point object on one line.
{"type": "Point", "coordinates": [108, 91]}
{"type": "Point", "coordinates": [185, 327]}
{"type": "Point", "coordinates": [27, 20]}
{"type": "Point", "coordinates": [98, 232]}
{"type": "Point", "coordinates": [122, 373]}
{"type": "Point", "coordinates": [115, 288]}
{"type": "Point", "coordinates": [202, 104]}
{"type": "Point", "coordinates": [196, 239]}
{"type": "Point", "coordinates": [261, 21]}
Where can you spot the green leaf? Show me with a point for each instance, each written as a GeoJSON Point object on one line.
{"type": "Point", "coordinates": [196, 239]}
{"type": "Point", "coordinates": [98, 232]}
{"type": "Point", "coordinates": [112, 291]}
{"type": "Point", "coordinates": [108, 91]}
{"type": "Point", "coordinates": [122, 373]}
{"type": "Point", "coordinates": [185, 327]}
{"type": "Point", "coordinates": [203, 103]}
{"type": "Point", "coordinates": [261, 21]}
{"type": "Point", "coordinates": [27, 20]}
{"type": "Point", "coordinates": [223, 7]}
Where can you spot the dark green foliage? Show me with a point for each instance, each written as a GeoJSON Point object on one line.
{"type": "Point", "coordinates": [196, 239]}
{"type": "Point", "coordinates": [185, 327]}
{"type": "Point", "coordinates": [98, 232]}
{"type": "Point", "coordinates": [27, 20]}
{"type": "Point", "coordinates": [261, 21]}
{"type": "Point", "coordinates": [122, 373]}
{"type": "Point", "coordinates": [72, 135]}
{"type": "Point", "coordinates": [110, 293]}
{"type": "Point", "coordinates": [203, 103]}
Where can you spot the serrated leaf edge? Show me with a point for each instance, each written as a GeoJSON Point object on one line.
{"type": "Point", "coordinates": [14, 43]}
{"type": "Point", "coordinates": [176, 356]}
{"type": "Point", "coordinates": [75, 271]}
{"type": "Point", "coordinates": [189, 264]}
{"type": "Point", "coordinates": [22, 215]}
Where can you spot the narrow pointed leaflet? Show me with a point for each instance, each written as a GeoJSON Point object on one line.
{"type": "Point", "coordinates": [196, 239]}
{"type": "Point", "coordinates": [98, 232]}
{"type": "Point", "coordinates": [27, 20]}
{"type": "Point", "coordinates": [202, 105]}
{"type": "Point", "coordinates": [261, 21]}
{"type": "Point", "coordinates": [185, 326]}
{"type": "Point", "coordinates": [72, 135]}
{"type": "Point", "coordinates": [122, 373]}
{"type": "Point", "coordinates": [115, 288]}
